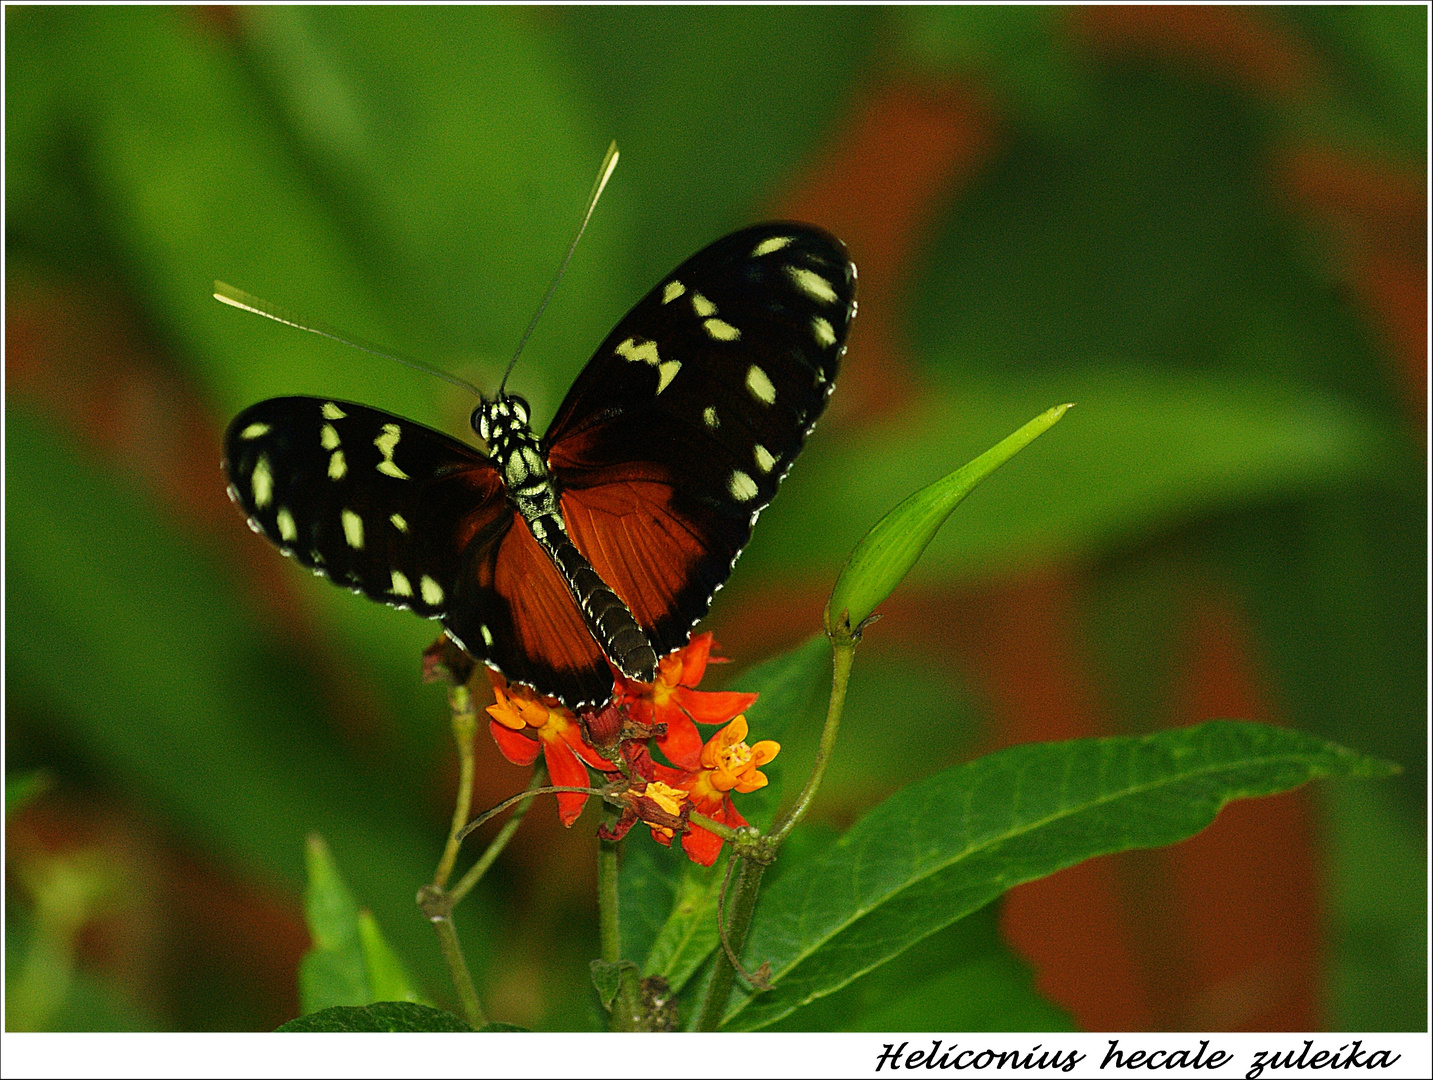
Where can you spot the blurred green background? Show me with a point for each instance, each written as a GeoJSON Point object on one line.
{"type": "Point", "coordinates": [1204, 226]}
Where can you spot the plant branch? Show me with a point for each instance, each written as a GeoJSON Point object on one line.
{"type": "Point", "coordinates": [465, 726]}
{"type": "Point", "coordinates": [713, 1003]}
{"type": "Point", "coordinates": [438, 906]}
{"type": "Point", "coordinates": [843, 650]}
{"type": "Point", "coordinates": [489, 856]}
{"type": "Point", "coordinates": [626, 1007]}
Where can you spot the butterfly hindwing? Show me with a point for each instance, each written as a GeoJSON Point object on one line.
{"type": "Point", "coordinates": [681, 427]}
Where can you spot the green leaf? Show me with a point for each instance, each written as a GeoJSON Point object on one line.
{"type": "Point", "coordinates": [383, 1016]}
{"type": "Point", "coordinates": [22, 788]}
{"type": "Point", "coordinates": [946, 846]}
{"type": "Point", "coordinates": [886, 554]}
{"type": "Point", "coordinates": [332, 972]}
{"type": "Point", "coordinates": [387, 979]}
{"type": "Point", "coordinates": [351, 962]}
{"type": "Point", "coordinates": [962, 978]}
{"type": "Point", "coordinates": [607, 978]}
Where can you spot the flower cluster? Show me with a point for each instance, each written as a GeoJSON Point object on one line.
{"type": "Point", "coordinates": [613, 741]}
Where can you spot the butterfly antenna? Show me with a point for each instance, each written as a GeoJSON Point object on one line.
{"type": "Point", "coordinates": [227, 294]}
{"type": "Point", "coordinates": [604, 173]}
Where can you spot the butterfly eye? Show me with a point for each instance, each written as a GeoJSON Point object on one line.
{"type": "Point", "coordinates": [520, 409]}
{"type": "Point", "coordinates": [479, 421]}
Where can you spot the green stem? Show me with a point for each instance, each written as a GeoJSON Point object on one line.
{"type": "Point", "coordinates": [465, 726]}
{"type": "Point", "coordinates": [843, 651]}
{"type": "Point", "coordinates": [489, 856]}
{"type": "Point", "coordinates": [713, 1004]}
{"type": "Point", "coordinates": [626, 1006]}
{"type": "Point", "coordinates": [439, 909]}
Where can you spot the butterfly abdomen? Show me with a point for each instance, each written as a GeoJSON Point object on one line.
{"type": "Point", "coordinates": [611, 623]}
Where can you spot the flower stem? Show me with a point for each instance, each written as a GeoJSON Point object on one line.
{"type": "Point", "coordinates": [748, 881]}
{"type": "Point", "coordinates": [475, 874]}
{"type": "Point", "coordinates": [435, 904]}
{"type": "Point", "coordinates": [465, 725]}
{"type": "Point", "coordinates": [713, 1004]}
{"type": "Point", "coordinates": [626, 1006]}
{"type": "Point", "coordinates": [843, 651]}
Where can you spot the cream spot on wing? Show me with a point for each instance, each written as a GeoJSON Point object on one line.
{"type": "Point", "coordinates": [262, 482]}
{"type": "Point", "coordinates": [254, 430]}
{"type": "Point", "coordinates": [387, 443]}
{"type": "Point", "coordinates": [741, 486]}
{"type": "Point", "coordinates": [812, 284]}
{"type": "Point", "coordinates": [400, 584]}
{"type": "Point", "coordinates": [352, 529]}
{"type": "Point", "coordinates": [332, 411]}
{"type": "Point", "coordinates": [722, 331]}
{"type": "Point", "coordinates": [759, 385]}
{"type": "Point", "coordinates": [825, 336]}
{"type": "Point", "coordinates": [709, 418]}
{"type": "Point", "coordinates": [487, 635]}
{"type": "Point", "coordinates": [328, 437]}
{"type": "Point", "coordinates": [645, 352]}
{"type": "Point", "coordinates": [770, 244]}
{"type": "Point", "coordinates": [702, 306]}
{"type": "Point", "coordinates": [432, 591]}
{"type": "Point", "coordinates": [337, 466]}
{"type": "Point", "coordinates": [673, 290]}
{"type": "Point", "coordinates": [288, 531]}
{"type": "Point", "coordinates": [398, 522]}
{"type": "Point", "coordinates": [764, 460]}
{"type": "Point", "coordinates": [666, 372]}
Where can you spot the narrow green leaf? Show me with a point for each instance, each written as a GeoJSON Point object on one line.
{"type": "Point", "coordinates": [382, 1016]}
{"type": "Point", "coordinates": [886, 554]}
{"type": "Point", "coordinates": [387, 980]}
{"type": "Point", "coordinates": [21, 788]}
{"type": "Point", "coordinates": [332, 972]}
{"type": "Point", "coordinates": [329, 907]}
{"type": "Point", "coordinates": [946, 846]}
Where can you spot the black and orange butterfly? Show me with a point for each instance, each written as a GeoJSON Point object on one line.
{"type": "Point", "coordinates": [608, 537]}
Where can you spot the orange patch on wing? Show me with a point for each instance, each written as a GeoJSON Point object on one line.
{"type": "Point", "coordinates": [641, 550]}
{"type": "Point", "coordinates": [548, 625]}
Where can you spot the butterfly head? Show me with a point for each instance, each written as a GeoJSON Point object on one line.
{"type": "Point", "coordinates": [502, 420]}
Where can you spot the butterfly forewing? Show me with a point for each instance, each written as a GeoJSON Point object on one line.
{"type": "Point", "coordinates": [380, 504]}
{"type": "Point", "coordinates": [681, 427]}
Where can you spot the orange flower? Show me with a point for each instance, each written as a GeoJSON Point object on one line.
{"type": "Point", "coordinates": [674, 700]}
{"type": "Point", "coordinates": [557, 736]}
{"type": "Point", "coordinates": [727, 764]}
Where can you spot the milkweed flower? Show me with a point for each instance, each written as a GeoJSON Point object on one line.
{"type": "Point", "coordinates": [525, 724]}
{"type": "Point", "coordinates": [726, 764]}
{"type": "Point", "coordinates": [674, 700]}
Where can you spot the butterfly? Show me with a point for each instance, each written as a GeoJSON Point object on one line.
{"type": "Point", "coordinates": [607, 538]}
